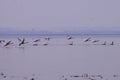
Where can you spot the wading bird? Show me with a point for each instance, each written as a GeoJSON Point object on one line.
{"type": "Point", "coordinates": [45, 44]}
{"type": "Point", "coordinates": [112, 43]}
{"type": "Point", "coordinates": [71, 43]}
{"type": "Point", "coordinates": [104, 43]}
{"type": "Point", "coordinates": [48, 38]}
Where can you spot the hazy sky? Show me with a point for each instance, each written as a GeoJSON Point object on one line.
{"type": "Point", "coordinates": [59, 14]}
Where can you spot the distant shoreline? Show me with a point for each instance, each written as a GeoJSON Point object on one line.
{"type": "Point", "coordinates": [59, 34]}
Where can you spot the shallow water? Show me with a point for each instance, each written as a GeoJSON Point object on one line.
{"type": "Point", "coordinates": [58, 58]}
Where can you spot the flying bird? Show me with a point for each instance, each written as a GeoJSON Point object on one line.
{"type": "Point", "coordinates": [37, 40]}
{"type": "Point", "coordinates": [88, 39]}
{"type": "Point", "coordinates": [69, 37]}
{"type": "Point", "coordinates": [22, 42]}
{"type": "Point", "coordinates": [8, 43]}
{"type": "Point", "coordinates": [19, 39]}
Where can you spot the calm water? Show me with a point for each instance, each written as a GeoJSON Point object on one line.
{"type": "Point", "coordinates": [59, 58]}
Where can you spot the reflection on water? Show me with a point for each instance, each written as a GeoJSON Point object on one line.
{"type": "Point", "coordinates": [59, 60]}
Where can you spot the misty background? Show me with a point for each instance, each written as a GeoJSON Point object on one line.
{"type": "Point", "coordinates": [59, 16]}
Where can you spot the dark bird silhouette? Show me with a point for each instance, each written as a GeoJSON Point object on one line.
{"type": "Point", "coordinates": [88, 39]}
{"type": "Point", "coordinates": [69, 37]}
{"type": "Point", "coordinates": [95, 41]}
{"type": "Point", "coordinates": [22, 42]}
{"type": "Point", "coordinates": [74, 76]}
{"type": "Point", "coordinates": [19, 39]}
{"type": "Point", "coordinates": [71, 43]}
{"type": "Point", "coordinates": [45, 44]}
{"type": "Point", "coordinates": [32, 79]}
{"type": "Point", "coordinates": [91, 78]}
{"type": "Point", "coordinates": [35, 44]}
{"type": "Point", "coordinates": [116, 75]}
{"type": "Point", "coordinates": [2, 41]}
{"type": "Point", "coordinates": [65, 78]}
{"type": "Point", "coordinates": [112, 43]}
{"type": "Point", "coordinates": [85, 75]}
{"type": "Point", "coordinates": [48, 38]}
{"type": "Point", "coordinates": [8, 43]}
{"type": "Point", "coordinates": [3, 75]}
{"type": "Point", "coordinates": [100, 76]}
{"type": "Point", "coordinates": [37, 40]}
{"type": "Point", "coordinates": [104, 43]}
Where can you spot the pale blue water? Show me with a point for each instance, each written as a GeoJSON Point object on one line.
{"type": "Point", "coordinates": [59, 58]}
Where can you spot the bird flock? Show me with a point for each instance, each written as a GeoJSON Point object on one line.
{"type": "Point", "coordinates": [84, 76]}
{"type": "Point", "coordinates": [70, 39]}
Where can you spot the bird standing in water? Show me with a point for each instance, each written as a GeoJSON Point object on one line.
{"type": "Point", "coordinates": [112, 43]}
{"type": "Point", "coordinates": [104, 43]}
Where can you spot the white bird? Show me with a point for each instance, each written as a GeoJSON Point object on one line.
{"type": "Point", "coordinates": [69, 37]}
{"type": "Point", "coordinates": [88, 39]}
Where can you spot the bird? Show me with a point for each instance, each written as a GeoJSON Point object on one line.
{"type": "Point", "coordinates": [8, 43]}
{"type": "Point", "coordinates": [112, 43]}
{"type": "Point", "coordinates": [35, 44]}
{"type": "Point", "coordinates": [104, 43]}
{"type": "Point", "coordinates": [71, 43]}
{"type": "Point", "coordinates": [47, 38]}
{"type": "Point", "coordinates": [69, 37]}
{"type": "Point", "coordinates": [2, 41]}
{"type": "Point", "coordinates": [19, 39]}
{"type": "Point", "coordinates": [74, 76]}
{"type": "Point", "coordinates": [23, 42]}
{"type": "Point", "coordinates": [88, 39]}
{"type": "Point", "coordinates": [32, 79]}
{"type": "Point", "coordinates": [95, 41]}
{"type": "Point", "coordinates": [45, 44]}
{"type": "Point", "coordinates": [65, 78]}
{"type": "Point", "coordinates": [100, 76]}
{"type": "Point", "coordinates": [3, 75]}
{"type": "Point", "coordinates": [37, 40]}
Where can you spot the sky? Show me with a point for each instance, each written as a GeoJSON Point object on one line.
{"type": "Point", "coordinates": [58, 15]}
